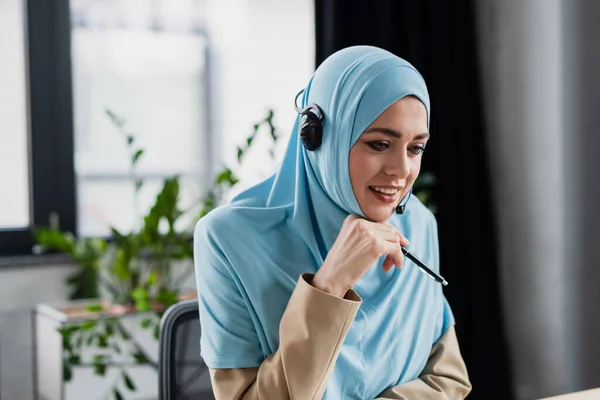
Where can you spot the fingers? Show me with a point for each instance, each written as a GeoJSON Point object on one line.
{"type": "Point", "coordinates": [392, 230]}
{"type": "Point", "coordinates": [379, 227]}
{"type": "Point", "coordinates": [387, 236]}
{"type": "Point", "coordinates": [394, 252]}
{"type": "Point", "coordinates": [388, 263]}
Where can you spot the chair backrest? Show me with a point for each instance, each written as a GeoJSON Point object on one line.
{"type": "Point", "coordinates": [182, 371]}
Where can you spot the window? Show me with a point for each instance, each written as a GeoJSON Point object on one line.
{"type": "Point", "coordinates": [162, 65]}
{"type": "Point", "coordinates": [264, 55]}
{"type": "Point", "coordinates": [14, 170]}
{"type": "Point", "coordinates": [145, 62]}
{"type": "Point", "coordinates": [189, 78]}
{"type": "Point", "coordinates": [36, 122]}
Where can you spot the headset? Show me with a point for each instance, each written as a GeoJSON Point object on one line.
{"type": "Point", "coordinates": [402, 206]}
{"type": "Point", "coordinates": [311, 124]}
{"type": "Point", "coordinates": [311, 134]}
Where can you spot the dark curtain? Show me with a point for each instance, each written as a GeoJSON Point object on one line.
{"type": "Point", "coordinates": [438, 38]}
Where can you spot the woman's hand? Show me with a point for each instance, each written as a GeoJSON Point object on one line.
{"type": "Point", "coordinates": [358, 245]}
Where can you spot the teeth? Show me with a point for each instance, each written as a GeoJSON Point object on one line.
{"type": "Point", "coordinates": [385, 190]}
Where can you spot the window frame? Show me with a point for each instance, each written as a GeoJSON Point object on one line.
{"type": "Point", "coordinates": [52, 192]}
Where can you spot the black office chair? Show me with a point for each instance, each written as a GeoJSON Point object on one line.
{"type": "Point", "coordinates": [183, 375]}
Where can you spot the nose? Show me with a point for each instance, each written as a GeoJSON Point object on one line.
{"type": "Point", "coordinates": [398, 165]}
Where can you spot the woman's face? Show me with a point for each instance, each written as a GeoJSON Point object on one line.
{"type": "Point", "coordinates": [386, 159]}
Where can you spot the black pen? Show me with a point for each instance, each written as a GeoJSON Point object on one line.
{"type": "Point", "coordinates": [424, 268]}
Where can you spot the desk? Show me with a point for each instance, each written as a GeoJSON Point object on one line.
{"type": "Point", "coordinates": [593, 394]}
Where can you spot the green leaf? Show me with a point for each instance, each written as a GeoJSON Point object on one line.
{"type": "Point", "coordinates": [130, 139]}
{"type": "Point", "coordinates": [156, 331]}
{"type": "Point", "coordinates": [140, 358]}
{"type": "Point", "coordinates": [119, 122]}
{"type": "Point", "coordinates": [166, 297]}
{"type": "Point", "coordinates": [67, 330]}
{"type": "Point", "coordinates": [84, 283]}
{"type": "Point", "coordinates": [240, 153]}
{"type": "Point", "coordinates": [74, 360]}
{"type": "Point", "coordinates": [124, 334]}
{"type": "Point", "coordinates": [55, 240]}
{"type": "Point", "coordinates": [79, 341]}
{"type": "Point", "coordinates": [118, 237]}
{"type": "Point", "coordinates": [226, 177]}
{"type": "Point", "coordinates": [128, 382]}
{"type": "Point", "coordinates": [152, 278]}
{"type": "Point", "coordinates": [249, 141]}
{"type": "Point", "coordinates": [137, 156]}
{"type": "Point", "coordinates": [67, 344]}
{"type": "Point", "coordinates": [139, 293]}
{"type": "Point", "coordinates": [102, 342]}
{"type": "Point", "coordinates": [146, 322]}
{"type": "Point", "coordinates": [95, 307]}
{"type": "Point", "coordinates": [98, 358]}
{"type": "Point", "coordinates": [256, 126]}
{"type": "Point", "coordinates": [118, 395]}
{"type": "Point", "coordinates": [138, 184]}
{"type": "Point", "coordinates": [165, 206]}
{"type": "Point", "coordinates": [142, 305]}
{"type": "Point", "coordinates": [121, 265]}
{"type": "Point", "coordinates": [67, 373]}
{"type": "Point", "coordinates": [100, 369]}
{"type": "Point", "coordinates": [88, 325]}
{"type": "Point", "coordinates": [141, 298]}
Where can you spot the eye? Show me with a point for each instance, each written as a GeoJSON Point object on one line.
{"type": "Point", "coordinates": [379, 146]}
{"type": "Point", "coordinates": [416, 150]}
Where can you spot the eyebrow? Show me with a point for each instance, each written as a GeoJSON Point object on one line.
{"type": "Point", "coordinates": [395, 134]}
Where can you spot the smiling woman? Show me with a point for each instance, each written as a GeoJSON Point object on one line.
{"type": "Point", "coordinates": [297, 294]}
{"type": "Point", "coordinates": [386, 160]}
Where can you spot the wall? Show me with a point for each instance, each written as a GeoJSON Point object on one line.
{"type": "Point", "coordinates": [540, 63]}
{"type": "Point", "coordinates": [521, 57]}
{"type": "Point", "coordinates": [581, 90]}
{"type": "Point", "coordinates": [21, 287]}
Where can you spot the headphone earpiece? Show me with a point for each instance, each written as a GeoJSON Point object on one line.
{"type": "Point", "coordinates": [311, 124]}
{"type": "Point", "coordinates": [400, 208]}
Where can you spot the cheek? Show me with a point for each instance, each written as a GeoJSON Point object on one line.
{"type": "Point", "coordinates": [354, 168]}
{"type": "Point", "coordinates": [363, 167]}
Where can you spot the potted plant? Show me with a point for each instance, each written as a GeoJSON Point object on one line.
{"type": "Point", "coordinates": [123, 283]}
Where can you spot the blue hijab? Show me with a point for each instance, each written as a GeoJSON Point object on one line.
{"type": "Point", "coordinates": [250, 253]}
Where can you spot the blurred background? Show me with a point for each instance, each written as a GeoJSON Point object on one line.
{"type": "Point", "coordinates": [102, 102]}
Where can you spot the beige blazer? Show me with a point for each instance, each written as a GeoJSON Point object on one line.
{"type": "Point", "coordinates": [312, 331]}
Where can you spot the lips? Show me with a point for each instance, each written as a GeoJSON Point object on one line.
{"type": "Point", "coordinates": [385, 194]}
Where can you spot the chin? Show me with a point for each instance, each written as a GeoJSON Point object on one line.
{"type": "Point", "coordinates": [379, 215]}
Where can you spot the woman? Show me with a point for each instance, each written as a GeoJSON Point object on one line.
{"type": "Point", "coordinates": [298, 293]}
